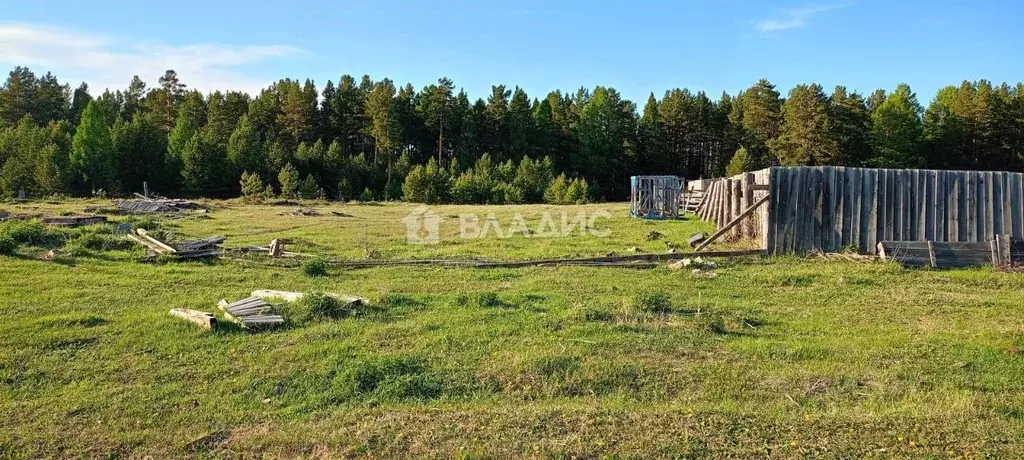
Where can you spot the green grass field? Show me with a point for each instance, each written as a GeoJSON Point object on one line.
{"type": "Point", "coordinates": [773, 357]}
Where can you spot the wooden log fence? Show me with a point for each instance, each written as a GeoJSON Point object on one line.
{"type": "Point", "coordinates": [830, 208]}
{"type": "Point", "coordinates": [834, 208]}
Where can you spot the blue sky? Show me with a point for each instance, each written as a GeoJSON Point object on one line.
{"type": "Point", "coordinates": [637, 46]}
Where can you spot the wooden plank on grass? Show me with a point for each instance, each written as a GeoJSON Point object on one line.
{"type": "Point", "coordinates": [164, 246]}
{"type": "Point", "coordinates": [201, 318]}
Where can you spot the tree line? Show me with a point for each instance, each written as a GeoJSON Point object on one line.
{"type": "Point", "coordinates": [373, 140]}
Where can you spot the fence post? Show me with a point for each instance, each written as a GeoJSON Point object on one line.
{"type": "Point", "coordinates": [748, 229]}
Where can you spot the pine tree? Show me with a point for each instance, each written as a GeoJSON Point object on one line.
{"type": "Point", "coordinates": [140, 148]}
{"type": "Point", "coordinates": [185, 129]}
{"type": "Point", "coordinates": [288, 179]}
{"type": "Point", "coordinates": [18, 96]}
{"type": "Point", "coordinates": [740, 163]}
{"type": "Point", "coordinates": [245, 150]}
{"type": "Point", "coordinates": [519, 126]}
{"type": "Point", "coordinates": [203, 167]}
{"type": "Point", "coordinates": [436, 106]}
{"type": "Point", "coordinates": [92, 150]}
{"type": "Point", "coordinates": [53, 100]}
{"type": "Point", "coordinates": [133, 97]}
{"type": "Point", "coordinates": [896, 131]}
{"type": "Point", "coordinates": [384, 127]}
{"type": "Point", "coordinates": [650, 138]}
{"type": "Point", "coordinates": [759, 114]}
{"type": "Point", "coordinates": [79, 101]}
{"type": "Point", "coordinates": [163, 102]}
{"type": "Point", "coordinates": [805, 138]}
{"type": "Point", "coordinates": [850, 124]}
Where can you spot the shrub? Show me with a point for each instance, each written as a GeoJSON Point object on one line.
{"type": "Point", "coordinates": [653, 302]}
{"type": "Point", "coordinates": [508, 194]}
{"type": "Point", "coordinates": [315, 267]}
{"type": "Point", "coordinates": [308, 189]}
{"type": "Point", "coordinates": [577, 192]}
{"type": "Point", "coordinates": [7, 245]}
{"type": "Point", "coordinates": [472, 188]}
{"type": "Point", "coordinates": [741, 162]}
{"type": "Point", "coordinates": [289, 180]}
{"type": "Point", "coordinates": [147, 223]}
{"type": "Point", "coordinates": [253, 188]}
{"type": "Point", "coordinates": [345, 190]}
{"type": "Point", "coordinates": [317, 307]}
{"type": "Point", "coordinates": [555, 193]}
{"type": "Point", "coordinates": [533, 178]}
{"type": "Point", "coordinates": [486, 299]}
{"type": "Point", "coordinates": [430, 184]}
{"type": "Point", "coordinates": [367, 195]}
{"type": "Point", "coordinates": [29, 232]}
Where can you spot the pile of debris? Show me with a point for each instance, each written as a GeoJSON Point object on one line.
{"type": "Point", "coordinates": [699, 267]}
{"type": "Point", "coordinates": [207, 247]}
{"type": "Point", "coordinates": [274, 249]}
{"type": "Point", "coordinates": [251, 312]}
{"type": "Point", "coordinates": [1000, 252]}
{"type": "Point", "coordinates": [154, 205]}
{"type": "Point", "coordinates": [303, 212]}
{"type": "Point", "coordinates": [256, 312]}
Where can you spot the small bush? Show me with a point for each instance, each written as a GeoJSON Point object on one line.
{"type": "Point", "coordinates": [289, 180]}
{"type": "Point", "coordinates": [308, 189]}
{"type": "Point", "coordinates": [653, 302]}
{"type": "Point", "coordinates": [253, 188]}
{"type": "Point", "coordinates": [28, 232]}
{"type": "Point", "coordinates": [101, 240]}
{"type": "Point", "coordinates": [147, 223]}
{"type": "Point", "coordinates": [714, 323]}
{"type": "Point", "coordinates": [7, 245]}
{"type": "Point", "coordinates": [315, 267]}
{"type": "Point", "coordinates": [482, 300]}
{"type": "Point", "coordinates": [318, 307]}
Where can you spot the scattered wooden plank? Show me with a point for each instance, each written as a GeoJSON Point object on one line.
{"type": "Point", "coordinates": [949, 254]}
{"type": "Point", "coordinates": [73, 221]}
{"type": "Point", "coordinates": [204, 243]}
{"type": "Point", "coordinates": [164, 246]}
{"type": "Point", "coordinates": [250, 312]}
{"type": "Point", "coordinates": [202, 319]}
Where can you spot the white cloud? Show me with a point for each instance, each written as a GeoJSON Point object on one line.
{"type": "Point", "coordinates": [794, 18]}
{"type": "Point", "coordinates": [105, 62]}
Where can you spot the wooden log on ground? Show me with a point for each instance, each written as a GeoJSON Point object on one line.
{"type": "Point", "coordinates": [201, 318]}
{"type": "Point", "coordinates": [472, 263]}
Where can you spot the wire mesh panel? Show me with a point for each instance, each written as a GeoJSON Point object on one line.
{"type": "Point", "coordinates": [655, 197]}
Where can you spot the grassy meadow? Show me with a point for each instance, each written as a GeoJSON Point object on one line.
{"type": "Point", "coordinates": [768, 357]}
